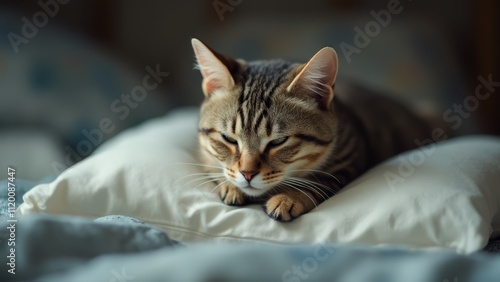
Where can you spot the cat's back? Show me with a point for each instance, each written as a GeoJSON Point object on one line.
{"type": "Point", "coordinates": [387, 126]}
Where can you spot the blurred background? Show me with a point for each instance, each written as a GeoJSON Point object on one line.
{"type": "Point", "coordinates": [74, 73]}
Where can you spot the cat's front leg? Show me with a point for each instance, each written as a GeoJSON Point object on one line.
{"type": "Point", "coordinates": [231, 195]}
{"type": "Point", "coordinates": [290, 205]}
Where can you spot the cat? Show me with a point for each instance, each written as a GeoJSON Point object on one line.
{"type": "Point", "coordinates": [281, 135]}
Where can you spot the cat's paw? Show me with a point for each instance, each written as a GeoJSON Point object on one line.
{"type": "Point", "coordinates": [285, 207]}
{"type": "Point", "coordinates": [231, 195]}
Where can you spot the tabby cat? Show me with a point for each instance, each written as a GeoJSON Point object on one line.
{"type": "Point", "coordinates": [279, 135]}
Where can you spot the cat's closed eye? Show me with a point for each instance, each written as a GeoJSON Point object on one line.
{"type": "Point", "coordinates": [277, 142]}
{"type": "Point", "coordinates": [229, 139]}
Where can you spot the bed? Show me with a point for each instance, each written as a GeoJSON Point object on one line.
{"type": "Point", "coordinates": [135, 210]}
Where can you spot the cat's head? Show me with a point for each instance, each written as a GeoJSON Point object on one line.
{"type": "Point", "coordinates": [263, 122]}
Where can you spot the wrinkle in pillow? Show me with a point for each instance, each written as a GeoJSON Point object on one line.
{"type": "Point", "coordinates": [449, 200]}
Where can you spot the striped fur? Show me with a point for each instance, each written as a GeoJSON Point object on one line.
{"type": "Point", "coordinates": [281, 137]}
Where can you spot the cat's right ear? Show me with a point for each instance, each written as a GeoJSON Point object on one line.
{"type": "Point", "coordinates": [215, 68]}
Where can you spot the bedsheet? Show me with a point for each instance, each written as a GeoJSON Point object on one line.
{"type": "Point", "coordinates": [116, 248]}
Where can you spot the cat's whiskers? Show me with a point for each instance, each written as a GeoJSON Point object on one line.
{"type": "Point", "coordinates": [272, 183]}
{"type": "Point", "coordinates": [197, 164]}
{"type": "Point", "coordinates": [318, 171]}
{"type": "Point", "coordinates": [291, 185]}
{"type": "Point", "coordinates": [333, 191]}
{"type": "Point", "coordinates": [205, 174]}
{"type": "Point", "coordinates": [308, 186]}
{"type": "Point", "coordinates": [211, 180]}
{"type": "Point", "coordinates": [312, 185]}
{"type": "Point", "coordinates": [217, 186]}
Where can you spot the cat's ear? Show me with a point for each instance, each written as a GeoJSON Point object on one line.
{"type": "Point", "coordinates": [316, 79]}
{"type": "Point", "coordinates": [215, 68]}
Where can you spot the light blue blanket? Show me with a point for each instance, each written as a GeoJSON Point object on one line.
{"type": "Point", "coordinates": [115, 248]}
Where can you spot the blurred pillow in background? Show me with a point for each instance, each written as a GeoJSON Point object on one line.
{"type": "Point", "coordinates": [78, 95]}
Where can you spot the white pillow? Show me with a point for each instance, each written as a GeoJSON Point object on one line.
{"type": "Point", "coordinates": [449, 198]}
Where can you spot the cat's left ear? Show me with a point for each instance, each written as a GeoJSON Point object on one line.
{"type": "Point", "coordinates": [315, 80]}
{"type": "Point", "coordinates": [215, 68]}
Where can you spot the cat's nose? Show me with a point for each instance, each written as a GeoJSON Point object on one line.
{"type": "Point", "coordinates": [249, 174]}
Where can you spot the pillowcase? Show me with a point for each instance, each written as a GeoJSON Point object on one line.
{"type": "Point", "coordinates": [443, 196]}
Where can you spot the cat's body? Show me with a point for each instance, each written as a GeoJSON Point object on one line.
{"type": "Point", "coordinates": [279, 135]}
